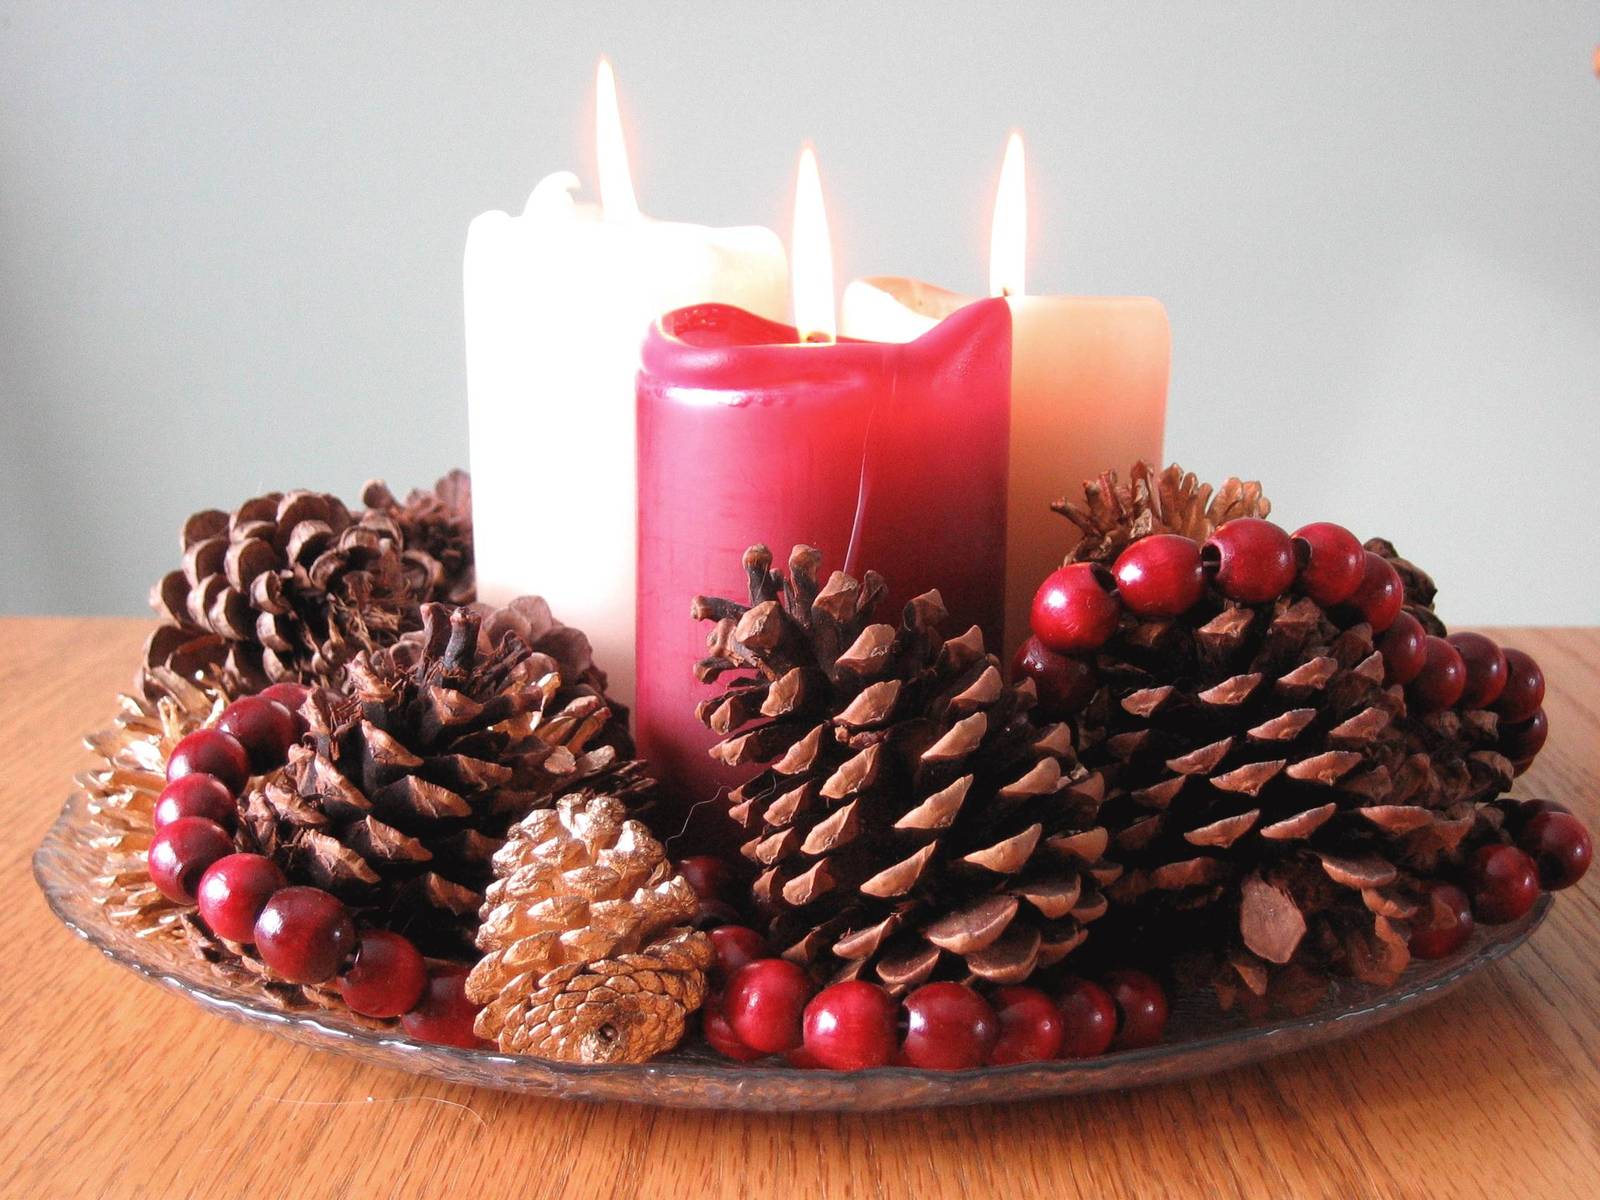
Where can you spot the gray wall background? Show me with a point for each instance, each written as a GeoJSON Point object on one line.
{"type": "Point", "coordinates": [231, 235]}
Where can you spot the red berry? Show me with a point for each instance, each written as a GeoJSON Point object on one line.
{"type": "Point", "coordinates": [265, 728]}
{"type": "Point", "coordinates": [719, 1034]}
{"type": "Point", "coordinates": [1443, 678]}
{"type": "Point", "coordinates": [234, 890]}
{"type": "Point", "coordinates": [949, 1027]}
{"type": "Point", "coordinates": [1522, 741]}
{"type": "Point", "coordinates": [1031, 1027]}
{"type": "Point", "coordinates": [1527, 810]}
{"type": "Point", "coordinates": [736, 945]}
{"type": "Point", "coordinates": [1443, 923]}
{"type": "Point", "coordinates": [196, 796]}
{"type": "Point", "coordinates": [1404, 646]}
{"type": "Point", "coordinates": [1160, 575]}
{"type": "Point", "coordinates": [1378, 599]}
{"type": "Point", "coordinates": [1560, 847]}
{"type": "Point", "coordinates": [765, 1002]}
{"type": "Point", "coordinates": [304, 935]}
{"type": "Point", "coordinates": [802, 1059]}
{"type": "Point", "coordinates": [1252, 559]}
{"type": "Point", "coordinates": [1141, 1009]}
{"type": "Point", "coordinates": [211, 752]}
{"type": "Point", "coordinates": [1524, 689]}
{"type": "Point", "coordinates": [714, 913]}
{"type": "Point", "coordinates": [444, 1015]}
{"type": "Point", "coordinates": [709, 876]}
{"type": "Point", "coordinates": [292, 696]}
{"type": "Point", "coordinates": [850, 1026]}
{"type": "Point", "coordinates": [1486, 669]}
{"type": "Point", "coordinates": [1088, 1019]}
{"type": "Point", "coordinates": [1074, 610]}
{"type": "Point", "coordinates": [1065, 684]}
{"type": "Point", "coordinates": [387, 976]}
{"type": "Point", "coordinates": [1332, 562]}
{"type": "Point", "coordinates": [180, 853]}
{"type": "Point", "coordinates": [1505, 883]}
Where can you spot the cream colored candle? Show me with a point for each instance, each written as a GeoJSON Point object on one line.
{"type": "Point", "coordinates": [558, 301]}
{"type": "Point", "coordinates": [1088, 386]}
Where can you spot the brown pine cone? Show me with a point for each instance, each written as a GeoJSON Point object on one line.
{"type": "Point", "coordinates": [913, 822]}
{"type": "Point", "coordinates": [586, 954]}
{"type": "Point", "coordinates": [287, 586]}
{"type": "Point", "coordinates": [436, 528]}
{"type": "Point", "coordinates": [411, 774]}
{"type": "Point", "coordinates": [556, 647]}
{"type": "Point", "coordinates": [1278, 807]}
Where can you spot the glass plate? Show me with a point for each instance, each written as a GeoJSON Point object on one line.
{"type": "Point", "coordinates": [1200, 1040]}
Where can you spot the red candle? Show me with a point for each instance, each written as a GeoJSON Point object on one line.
{"type": "Point", "coordinates": [885, 457]}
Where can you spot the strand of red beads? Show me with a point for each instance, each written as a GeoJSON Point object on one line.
{"type": "Point", "coordinates": [303, 935]}
{"type": "Point", "coordinates": [761, 1006]}
{"type": "Point", "coordinates": [1079, 608]}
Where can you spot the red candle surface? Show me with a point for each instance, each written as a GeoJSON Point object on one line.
{"type": "Point", "coordinates": [889, 458]}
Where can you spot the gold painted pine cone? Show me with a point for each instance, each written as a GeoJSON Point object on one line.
{"type": "Point", "coordinates": [586, 957]}
{"type": "Point", "coordinates": [911, 821]}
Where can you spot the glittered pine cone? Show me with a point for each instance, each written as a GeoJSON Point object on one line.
{"type": "Point", "coordinates": [586, 954]}
{"type": "Point", "coordinates": [911, 822]}
{"type": "Point", "coordinates": [1278, 805]}
{"type": "Point", "coordinates": [412, 772]}
{"type": "Point", "coordinates": [287, 586]}
{"type": "Point", "coordinates": [436, 530]}
{"type": "Point", "coordinates": [1112, 513]}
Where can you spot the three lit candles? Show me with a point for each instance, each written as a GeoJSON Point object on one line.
{"type": "Point", "coordinates": [639, 417]}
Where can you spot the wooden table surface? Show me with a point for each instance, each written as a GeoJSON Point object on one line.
{"type": "Point", "coordinates": [110, 1087]}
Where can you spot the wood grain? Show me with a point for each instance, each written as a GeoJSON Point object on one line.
{"type": "Point", "coordinates": [111, 1088]}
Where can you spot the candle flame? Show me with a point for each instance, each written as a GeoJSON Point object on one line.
{"type": "Point", "coordinates": [1008, 237]}
{"type": "Point", "coordinates": [812, 257]}
{"type": "Point", "coordinates": [617, 200]}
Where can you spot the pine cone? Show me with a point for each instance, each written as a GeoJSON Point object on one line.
{"type": "Point", "coordinates": [1171, 501]}
{"type": "Point", "coordinates": [556, 647]}
{"type": "Point", "coordinates": [586, 957]}
{"type": "Point", "coordinates": [914, 822]}
{"type": "Point", "coordinates": [1275, 804]}
{"type": "Point", "coordinates": [127, 781]}
{"type": "Point", "coordinates": [436, 528]}
{"type": "Point", "coordinates": [287, 586]}
{"type": "Point", "coordinates": [122, 792]}
{"type": "Point", "coordinates": [412, 773]}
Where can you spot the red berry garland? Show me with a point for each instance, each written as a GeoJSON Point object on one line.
{"type": "Point", "coordinates": [1074, 609]}
{"type": "Point", "coordinates": [850, 1027]}
{"type": "Point", "coordinates": [302, 934]}
{"type": "Point", "coordinates": [765, 1003]}
{"type": "Point", "coordinates": [1252, 560]}
{"type": "Point", "coordinates": [1332, 562]}
{"type": "Point", "coordinates": [1444, 923]}
{"type": "Point", "coordinates": [1088, 1019]}
{"type": "Point", "coordinates": [949, 1027]}
{"type": "Point", "coordinates": [234, 890]}
{"type": "Point", "coordinates": [196, 796]}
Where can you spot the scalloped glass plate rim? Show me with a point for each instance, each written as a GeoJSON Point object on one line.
{"type": "Point", "coordinates": [700, 1079]}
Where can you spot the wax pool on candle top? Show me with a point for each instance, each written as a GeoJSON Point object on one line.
{"type": "Point", "coordinates": [884, 457]}
{"type": "Point", "coordinates": [558, 300]}
{"type": "Point", "coordinates": [1088, 393]}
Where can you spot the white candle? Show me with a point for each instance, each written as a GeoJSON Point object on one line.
{"type": "Point", "coordinates": [1088, 386]}
{"type": "Point", "coordinates": [558, 301]}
